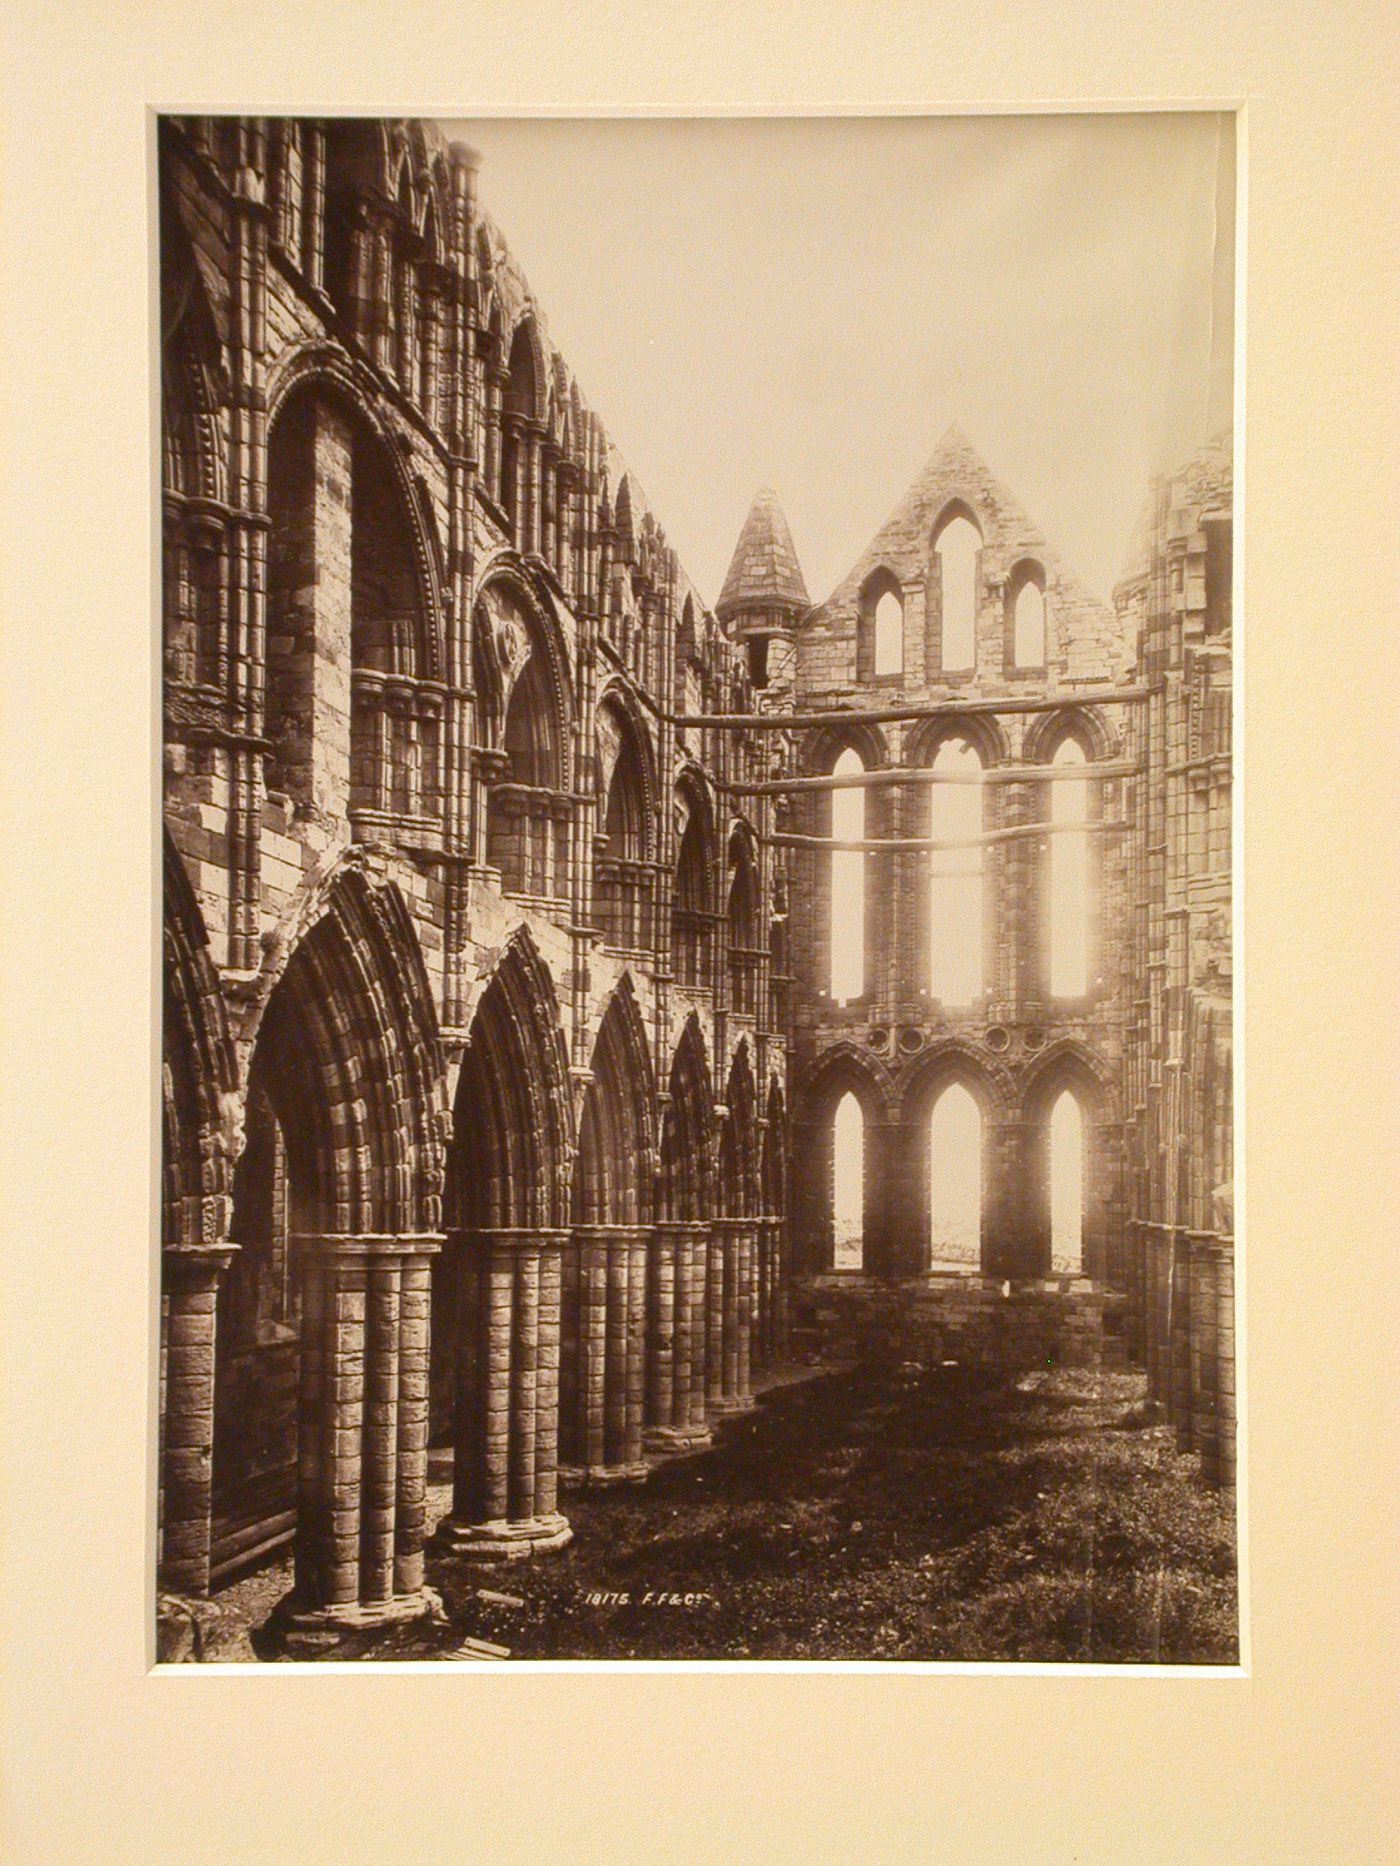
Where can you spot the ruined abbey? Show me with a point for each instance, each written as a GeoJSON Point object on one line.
{"type": "Point", "coordinates": [581, 998]}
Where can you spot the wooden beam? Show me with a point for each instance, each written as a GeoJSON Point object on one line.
{"type": "Point", "coordinates": [930, 709]}
{"type": "Point", "coordinates": [925, 774]}
{"type": "Point", "coordinates": [934, 844]}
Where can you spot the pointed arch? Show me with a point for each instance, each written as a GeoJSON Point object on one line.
{"type": "Point", "coordinates": [687, 1130]}
{"type": "Point", "coordinates": [954, 588]}
{"type": "Point", "coordinates": [373, 550]}
{"type": "Point", "coordinates": [346, 1036]}
{"type": "Point", "coordinates": [737, 1166]}
{"type": "Point", "coordinates": [512, 1143]}
{"type": "Point", "coordinates": [346, 1115]}
{"type": "Point", "coordinates": [951, 1106]}
{"type": "Point", "coordinates": [844, 1099]}
{"type": "Point", "coordinates": [880, 648]}
{"type": "Point", "coordinates": [743, 910]}
{"type": "Point", "coordinates": [957, 883]}
{"type": "Point", "coordinates": [528, 690]}
{"type": "Point", "coordinates": [199, 1072]}
{"type": "Point", "coordinates": [1069, 1112]}
{"type": "Point", "coordinates": [623, 855]}
{"type": "Point", "coordinates": [692, 900]}
{"type": "Point", "coordinates": [1027, 618]}
{"type": "Point", "coordinates": [615, 1165]}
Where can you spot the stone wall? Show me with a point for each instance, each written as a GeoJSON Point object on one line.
{"type": "Point", "coordinates": [1005, 1329]}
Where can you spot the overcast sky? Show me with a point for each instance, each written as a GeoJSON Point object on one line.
{"type": "Point", "coordinates": [810, 302]}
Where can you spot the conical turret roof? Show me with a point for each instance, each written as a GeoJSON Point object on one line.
{"type": "Point", "coordinates": [764, 572]}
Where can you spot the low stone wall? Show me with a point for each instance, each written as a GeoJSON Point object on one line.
{"type": "Point", "coordinates": [976, 1321]}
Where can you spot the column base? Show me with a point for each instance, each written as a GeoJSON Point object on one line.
{"type": "Point", "coordinates": [292, 1629]}
{"type": "Point", "coordinates": [727, 1407]}
{"type": "Point", "coordinates": [665, 1441]}
{"type": "Point", "coordinates": [601, 1476]}
{"type": "Point", "coordinates": [504, 1540]}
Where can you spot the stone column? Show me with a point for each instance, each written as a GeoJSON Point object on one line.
{"type": "Point", "coordinates": [1179, 1397]}
{"type": "Point", "coordinates": [361, 1437]}
{"type": "Point", "coordinates": [730, 1299]}
{"type": "Point", "coordinates": [505, 1471]}
{"type": "Point", "coordinates": [189, 1299]}
{"type": "Point", "coordinates": [675, 1409]}
{"type": "Point", "coordinates": [714, 1316]}
{"type": "Point", "coordinates": [603, 1401]}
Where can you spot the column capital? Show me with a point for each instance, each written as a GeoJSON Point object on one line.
{"type": "Point", "coordinates": [190, 1260]}
{"type": "Point", "coordinates": [631, 1233]}
{"type": "Point", "coordinates": [515, 1237]}
{"type": "Point", "coordinates": [368, 1243]}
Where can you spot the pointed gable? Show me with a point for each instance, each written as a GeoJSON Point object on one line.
{"type": "Point", "coordinates": [764, 572]}
{"type": "Point", "coordinates": [1088, 641]}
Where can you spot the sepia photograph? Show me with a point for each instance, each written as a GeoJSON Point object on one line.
{"type": "Point", "coordinates": [697, 1089]}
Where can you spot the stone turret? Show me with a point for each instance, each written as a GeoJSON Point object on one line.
{"type": "Point", "coordinates": [764, 594]}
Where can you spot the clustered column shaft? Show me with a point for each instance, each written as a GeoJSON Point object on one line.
{"type": "Point", "coordinates": [189, 1307]}
{"type": "Point", "coordinates": [362, 1434]}
{"type": "Point", "coordinates": [505, 1482]}
{"type": "Point", "coordinates": [604, 1383]}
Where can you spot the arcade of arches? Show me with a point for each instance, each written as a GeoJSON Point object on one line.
{"type": "Point", "coordinates": [541, 1061]}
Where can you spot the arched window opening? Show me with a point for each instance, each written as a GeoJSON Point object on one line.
{"type": "Point", "coordinates": [1066, 1185]}
{"type": "Point", "coordinates": [287, 192]}
{"type": "Point", "coordinates": [301, 531]}
{"type": "Point", "coordinates": [889, 634]}
{"type": "Point", "coordinates": [955, 1181]}
{"type": "Point", "coordinates": [526, 830]}
{"type": "Point", "coordinates": [958, 545]}
{"type": "Point", "coordinates": [744, 949]}
{"type": "Point", "coordinates": [690, 910]}
{"type": "Point", "coordinates": [848, 1184]}
{"type": "Point", "coordinates": [431, 313]}
{"type": "Point", "coordinates": [956, 883]}
{"type": "Point", "coordinates": [1028, 638]}
{"type": "Point", "coordinates": [847, 898]}
{"type": "Point", "coordinates": [395, 721]}
{"type": "Point", "coordinates": [1069, 879]}
{"type": "Point", "coordinates": [521, 402]}
{"type": "Point", "coordinates": [621, 874]}
{"type": "Point", "coordinates": [779, 965]}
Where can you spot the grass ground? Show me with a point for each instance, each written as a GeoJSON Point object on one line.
{"type": "Point", "coordinates": [875, 1515]}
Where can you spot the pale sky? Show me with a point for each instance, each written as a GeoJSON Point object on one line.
{"type": "Point", "coordinates": [810, 302]}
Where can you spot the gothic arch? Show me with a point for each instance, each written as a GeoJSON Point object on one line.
{"type": "Point", "coordinates": [983, 731]}
{"type": "Point", "coordinates": [844, 1066]}
{"type": "Point", "coordinates": [325, 368]}
{"type": "Point", "coordinates": [520, 580]}
{"type": "Point", "coordinates": [1086, 725]}
{"type": "Point", "coordinates": [512, 1130]}
{"type": "Point", "coordinates": [615, 1163]}
{"type": "Point", "coordinates": [191, 359]}
{"type": "Point", "coordinates": [958, 507]}
{"type": "Point", "coordinates": [619, 700]}
{"type": "Point", "coordinates": [737, 1173]}
{"type": "Point", "coordinates": [956, 1060]}
{"type": "Point", "coordinates": [687, 1130]}
{"type": "Point", "coordinates": [1070, 1066]}
{"type": "Point", "coordinates": [823, 746]}
{"type": "Point", "coordinates": [692, 901]}
{"type": "Point", "coordinates": [345, 1031]}
{"type": "Point", "coordinates": [1068, 1063]}
{"type": "Point", "coordinates": [199, 1073]}
{"type": "Point", "coordinates": [527, 360]}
